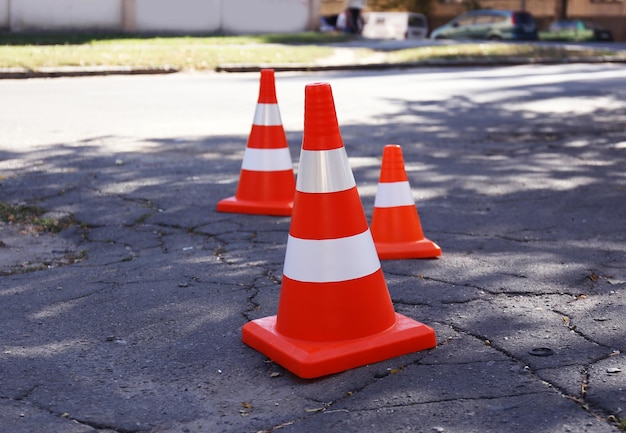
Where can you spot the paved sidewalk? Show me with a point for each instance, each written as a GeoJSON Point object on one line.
{"type": "Point", "coordinates": [135, 323]}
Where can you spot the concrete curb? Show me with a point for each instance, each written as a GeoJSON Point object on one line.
{"type": "Point", "coordinates": [421, 64]}
{"type": "Point", "coordinates": [79, 71]}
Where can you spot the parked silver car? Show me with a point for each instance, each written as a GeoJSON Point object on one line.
{"type": "Point", "coordinates": [489, 24]}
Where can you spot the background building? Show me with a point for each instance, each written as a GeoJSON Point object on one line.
{"type": "Point", "coordinates": [152, 16]}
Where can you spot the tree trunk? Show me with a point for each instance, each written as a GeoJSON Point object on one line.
{"type": "Point", "coordinates": [560, 12]}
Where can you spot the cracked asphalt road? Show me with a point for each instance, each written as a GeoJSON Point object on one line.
{"type": "Point", "coordinates": [518, 174]}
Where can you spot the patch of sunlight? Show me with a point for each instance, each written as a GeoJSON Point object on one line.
{"type": "Point", "coordinates": [130, 187]}
{"type": "Point", "coordinates": [358, 162]}
{"type": "Point", "coordinates": [12, 291]}
{"type": "Point", "coordinates": [505, 96]}
{"type": "Point", "coordinates": [201, 259]}
{"type": "Point", "coordinates": [43, 350]}
{"type": "Point", "coordinates": [577, 143]}
{"type": "Point", "coordinates": [569, 105]}
{"type": "Point", "coordinates": [55, 310]}
{"type": "Point", "coordinates": [195, 315]}
{"type": "Point", "coordinates": [571, 183]}
{"type": "Point", "coordinates": [228, 181]}
{"type": "Point", "coordinates": [491, 189]}
{"type": "Point", "coordinates": [368, 190]}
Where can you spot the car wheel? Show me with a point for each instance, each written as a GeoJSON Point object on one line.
{"type": "Point", "coordinates": [494, 38]}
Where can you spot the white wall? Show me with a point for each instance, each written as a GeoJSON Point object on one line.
{"type": "Point", "coordinates": [265, 16]}
{"type": "Point", "coordinates": [65, 14]}
{"type": "Point", "coordinates": [199, 16]}
{"type": "Point", "coordinates": [4, 14]}
{"type": "Point", "coordinates": [175, 16]}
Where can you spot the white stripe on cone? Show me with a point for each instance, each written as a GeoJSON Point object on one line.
{"type": "Point", "coordinates": [266, 159]}
{"type": "Point", "coordinates": [332, 162]}
{"type": "Point", "coordinates": [330, 260]}
{"type": "Point", "coordinates": [392, 194]}
{"type": "Point", "coordinates": [267, 115]}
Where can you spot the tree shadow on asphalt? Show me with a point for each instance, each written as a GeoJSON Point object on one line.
{"type": "Point", "coordinates": [526, 205]}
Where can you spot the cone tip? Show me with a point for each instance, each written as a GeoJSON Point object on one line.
{"type": "Point", "coordinates": [319, 95]}
{"type": "Point", "coordinates": [392, 168]}
{"type": "Point", "coordinates": [321, 129]}
{"type": "Point", "coordinates": [267, 88]}
{"type": "Point", "coordinates": [317, 86]}
{"type": "Point", "coordinates": [393, 151]}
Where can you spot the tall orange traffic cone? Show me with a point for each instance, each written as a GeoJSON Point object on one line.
{"type": "Point", "coordinates": [335, 312]}
{"type": "Point", "coordinates": [396, 226]}
{"type": "Point", "coordinates": [266, 181]}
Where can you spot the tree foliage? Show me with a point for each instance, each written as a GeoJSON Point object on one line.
{"type": "Point", "coordinates": [471, 5]}
{"type": "Point", "coordinates": [421, 6]}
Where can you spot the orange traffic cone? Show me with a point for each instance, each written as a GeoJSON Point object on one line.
{"type": "Point", "coordinates": [266, 181]}
{"type": "Point", "coordinates": [335, 312]}
{"type": "Point", "coordinates": [396, 227]}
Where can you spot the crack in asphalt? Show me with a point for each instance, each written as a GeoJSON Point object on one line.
{"type": "Point", "coordinates": [103, 426]}
{"type": "Point", "coordinates": [595, 410]}
{"type": "Point", "coordinates": [574, 328]}
{"type": "Point", "coordinates": [26, 394]}
{"type": "Point", "coordinates": [92, 424]}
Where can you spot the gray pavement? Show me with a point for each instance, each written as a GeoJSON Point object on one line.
{"type": "Point", "coordinates": [131, 321]}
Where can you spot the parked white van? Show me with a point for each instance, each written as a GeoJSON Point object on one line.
{"type": "Point", "coordinates": [394, 25]}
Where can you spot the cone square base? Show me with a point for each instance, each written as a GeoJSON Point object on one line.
{"type": "Point", "coordinates": [311, 359]}
{"type": "Point", "coordinates": [235, 205]}
{"type": "Point", "coordinates": [422, 249]}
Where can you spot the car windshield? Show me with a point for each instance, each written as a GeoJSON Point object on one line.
{"type": "Point", "coordinates": [464, 20]}
{"type": "Point", "coordinates": [416, 21]}
{"type": "Point", "coordinates": [589, 25]}
{"type": "Point", "coordinates": [523, 18]}
{"type": "Point", "coordinates": [563, 25]}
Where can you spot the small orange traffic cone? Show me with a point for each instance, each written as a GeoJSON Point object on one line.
{"type": "Point", "coordinates": [396, 226]}
{"type": "Point", "coordinates": [266, 181]}
{"type": "Point", "coordinates": [334, 312]}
